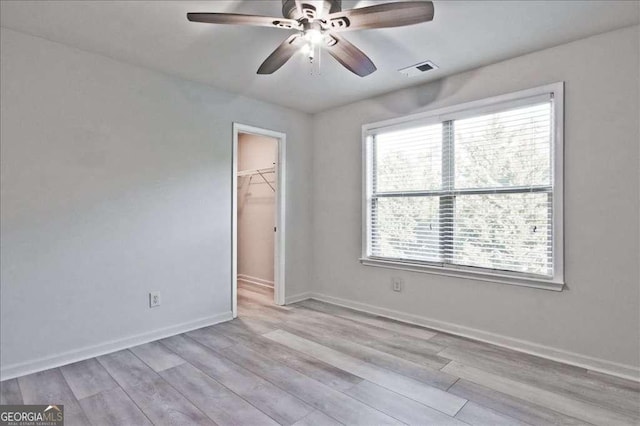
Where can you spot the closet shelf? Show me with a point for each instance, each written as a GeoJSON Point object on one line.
{"type": "Point", "coordinates": [256, 171]}
{"type": "Point", "coordinates": [260, 172]}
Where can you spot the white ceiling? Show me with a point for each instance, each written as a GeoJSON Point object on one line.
{"type": "Point", "coordinates": [462, 36]}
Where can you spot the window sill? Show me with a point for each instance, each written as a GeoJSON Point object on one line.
{"type": "Point", "coordinates": [496, 277]}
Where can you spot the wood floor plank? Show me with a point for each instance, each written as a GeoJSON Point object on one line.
{"type": "Point", "coordinates": [428, 395]}
{"type": "Point", "coordinates": [307, 365]}
{"type": "Point", "coordinates": [255, 326]}
{"type": "Point", "coordinates": [263, 299]}
{"type": "Point", "coordinates": [86, 378]}
{"type": "Point", "coordinates": [127, 369]}
{"type": "Point", "coordinates": [256, 298]}
{"type": "Point", "coordinates": [331, 402]}
{"type": "Point", "coordinates": [253, 303]}
{"type": "Point", "coordinates": [249, 312]}
{"type": "Point", "coordinates": [317, 418]}
{"type": "Point", "coordinates": [432, 377]}
{"type": "Point", "coordinates": [487, 349]}
{"type": "Point", "coordinates": [212, 337]}
{"type": "Point", "coordinates": [233, 332]}
{"type": "Point", "coordinates": [400, 407]}
{"type": "Point", "coordinates": [370, 335]}
{"type": "Point", "coordinates": [50, 388]}
{"type": "Point", "coordinates": [157, 356]}
{"type": "Point", "coordinates": [413, 353]}
{"type": "Point", "coordinates": [158, 400]}
{"type": "Point", "coordinates": [216, 401]}
{"type": "Point", "coordinates": [554, 401]}
{"type": "Point", "coordinates": [578, 385]}
{"type": "Point", "coordinates": [371, 330]}
{"type": "Point", "coordinates": [113, 407]}
{"type": "Point", "coordinates": [257, 321]}
{"type": "Point", "coordinates": [10, 392]}
{"type": "Point", "coordinates": [164, 405]}
{"type": "Point", "coordinates": [517, 408]}
{"type": "Point", "coordinates": [477, 415]}
{"type": "Point", "coordinates": [278, 404]}
{"type": "Point", "coordinates": [409, 348]}
{"type": "Point", "coordinates": [253, 297]}
{"type": "Point", "coordinates": [395, 326]}
{"type": "Point", "coordinates": [245, 285]}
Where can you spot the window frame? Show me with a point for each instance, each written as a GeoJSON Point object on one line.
{"type": "Point", "coordinates": [456, 112]}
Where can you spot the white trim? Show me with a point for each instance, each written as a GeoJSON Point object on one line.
{"type": "Point", "coordinates": [280, 241]}
{"type": "Point", "coordinates": [555, 354]}
{"type": "Point", "coordinates": [556, 90]}
{"type": "Point", "coordinates": [445, 112]}
{"type": "Point", "coordinates": [464, 272]}
{"type": "Point", "coordinates": [33, 366]}
{"type": "Point", "coordinates": [255, 280]}
{"type": "Point", "coordinates": [557, 160]}
{"type": "Point", "coordinates": [234, 222]}
{"type": "Point", "coordinates": [298, 297]}
{"type": "Point", "coordinates": [280, 213]}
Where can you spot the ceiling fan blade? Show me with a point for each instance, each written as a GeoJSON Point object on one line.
{"type": "Point", "coordinates": [381, 16]}
{"type": "Point", "coordinates": [350, 56]}
{"type": "Point", "coordinates": [299, 8]}
{"type": "Point", "coordinates": [239, 19]}
{"type": "Point", "coordinates": [281, 55]}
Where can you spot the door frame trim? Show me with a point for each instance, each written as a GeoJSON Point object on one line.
{"type": "Point", "coordinates": [280, 208]}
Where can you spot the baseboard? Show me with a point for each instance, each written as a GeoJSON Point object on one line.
{"type": "Point", "coordinates": [298, 297]}
{"type": "Point", "coordinates": [28, 367]}
{"type": "Point", "coordinates": [255, 280]}
{"type": "Point", "coordinates": [560, 355]}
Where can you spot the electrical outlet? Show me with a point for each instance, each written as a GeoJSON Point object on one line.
{"type": "Point", "coordinates": [154, 299]}
{"type": "Point", "coordinates": [396, 283]}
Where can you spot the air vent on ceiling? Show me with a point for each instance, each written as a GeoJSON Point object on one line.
{"type": "Point", "coordinates": [418, 68]}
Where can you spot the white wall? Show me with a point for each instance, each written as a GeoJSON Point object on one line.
{"type": "Point", "coordinates": [116, 180]}
{"type": "Point", "coordinates": [598, 315]}
{"type": "Point", "coordinates": [256, 208]}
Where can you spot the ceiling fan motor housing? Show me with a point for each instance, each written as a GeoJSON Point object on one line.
{"type": "Point", "coordinates": [310, 8]}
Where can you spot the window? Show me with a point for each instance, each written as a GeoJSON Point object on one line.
{"type": "Point", "coordinates": [473, 190]}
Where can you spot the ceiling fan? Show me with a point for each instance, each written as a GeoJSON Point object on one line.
{"type": "Point", "coordinates": [318, 23]}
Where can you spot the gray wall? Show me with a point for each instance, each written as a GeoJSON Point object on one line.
{"type": "Point", "coordinates": [116, 181]}
{"type": "Point", "coordinates": [598, 315]}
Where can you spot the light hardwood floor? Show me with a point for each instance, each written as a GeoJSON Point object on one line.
{"type": "Point", "coordinates": [312, 363]}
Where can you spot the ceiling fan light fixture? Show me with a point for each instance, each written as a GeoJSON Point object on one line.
{"type": "Point", "coordinates": [306, 49]}
{"type": "Point", "coordinates": [313, 36]}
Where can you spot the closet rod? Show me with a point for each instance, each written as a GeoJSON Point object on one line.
{"type": "Point", "coordinates": [260, 172]}
{"type": "Point", "coordinates": [256, 171]}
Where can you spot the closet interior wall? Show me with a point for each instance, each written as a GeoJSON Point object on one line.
{"type": "Point", "coordinates": [257, 156]}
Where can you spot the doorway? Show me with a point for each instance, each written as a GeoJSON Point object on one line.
{"type": "Point", "coordinates": [258, 214]}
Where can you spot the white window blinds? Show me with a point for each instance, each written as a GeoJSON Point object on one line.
{"type": "Point", "coordinates": [472, 190]}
